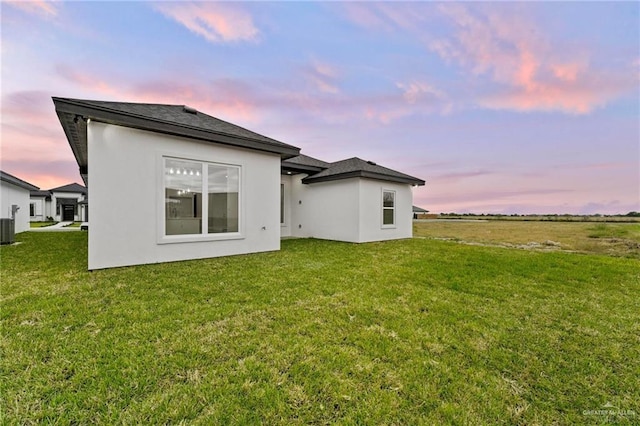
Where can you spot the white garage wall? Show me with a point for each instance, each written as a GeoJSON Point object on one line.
{"type": "Point", "coordinates": [124, 172]}
{"type": "Point", "coordinates": [11, 194]}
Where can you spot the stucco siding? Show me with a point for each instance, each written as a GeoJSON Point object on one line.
{"type": "Point", "coordinates": [327, 210]}
{"type": "Point", "coordinates": [371, 227]}
{"type": "Point", "coordinates": [127, 202]}
{"type": "Point", "coordinates": [10, 195]}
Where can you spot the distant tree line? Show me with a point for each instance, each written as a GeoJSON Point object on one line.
{"type": "Point", "coordinates": [546, 217]}
{"type": "Point", "coordinates": [630, 214]}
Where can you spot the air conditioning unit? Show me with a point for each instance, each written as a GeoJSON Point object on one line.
{"type": "Point", "coordinates": [7, 231]}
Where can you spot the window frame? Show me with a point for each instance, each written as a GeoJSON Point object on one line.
{"type": "Point", "coordinates": [383, 208]}
{"type": "Point", "coordinates": [283, 204]}
{"type": "Point", "coordinates": [204, 235]}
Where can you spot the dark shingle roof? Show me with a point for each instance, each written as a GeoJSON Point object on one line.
{"type": "Point", "coordinates": [305, 164]}
{"type": "Point", "coordinates": [356, 167]}
{"type": "Point", "coordinates": [176, 120]}
{"type": "Point", "coordinates": [6, 177]}
{"type": "Point", "coordinates": [417, 209]}
{"type": "Point", "coordinates": [71, 187]}
{"type": "Point", "coordinates": [38, 193]}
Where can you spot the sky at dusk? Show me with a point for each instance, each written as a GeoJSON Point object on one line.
{"type": "Point", "coordinates": [501, 107]}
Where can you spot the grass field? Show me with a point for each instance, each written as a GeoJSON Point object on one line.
{"type": "Point", "coordinates": [415, 331]}
{"type": "Point", "coordinates": [613, 239]}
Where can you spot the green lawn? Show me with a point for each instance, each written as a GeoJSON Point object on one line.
{"type": "Point", "coordinates": [405, 332]}
{"type": "Point", "coordinates": [41, 224]}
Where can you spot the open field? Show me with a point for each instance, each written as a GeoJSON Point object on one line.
{"type": "Point", "coordinates": [613, 239]}
{"type": "Point", "coordinates": [542, 218]}
{"type": "Point", "coordinates": [414, 331]}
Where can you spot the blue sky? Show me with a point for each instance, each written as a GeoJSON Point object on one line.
{"type": "Point", "coordinates": [501, 107]}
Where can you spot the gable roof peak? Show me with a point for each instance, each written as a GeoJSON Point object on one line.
{"type": "Point", "coordinates": [70, 187]}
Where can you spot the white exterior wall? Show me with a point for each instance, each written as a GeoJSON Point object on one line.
{"type": "Point", "coordinates": [127, 201]}
{"type": "Point", "coordinates": [371, 228]}
{"type": "Point", "coordinates": [330, 210]}
{"type": "Point", "coordinates": [11, 194]}
{"type": "Point", "coordinates": [40, 209]}
{"type": "Point", "coordinates": [345, 210]}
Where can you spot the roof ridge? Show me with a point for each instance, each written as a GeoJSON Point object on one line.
{"type": "Point", "coordinates": [110, 108]}
{"type": "Point", "coordinates": [8, 177]}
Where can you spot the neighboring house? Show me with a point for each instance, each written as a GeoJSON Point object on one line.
{"type": "Point", "coordinates": [171, 183]}
{"type": "Point", "coordinates": [15, 192]}
{"type": "Point", "coordinates": [419, 212]}
{"type": "Point", "coordinates": [40, 206]}
{"type": "Point", "coordinates": [67, 203]}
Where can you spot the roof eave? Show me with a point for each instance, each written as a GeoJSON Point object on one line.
{"type": "Point", "coordinates": [19, 183]}
{"type": "Point", "coordinates": [364, 174]}
{"type": "Point", "coordinates": [298, 168]}
{"type": "Point", "coordinates": [73, 116]}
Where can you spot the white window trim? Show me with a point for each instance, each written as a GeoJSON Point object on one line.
{"type": "Point", "coordinates": [383, 208]}
{"type": "Point", "coordinates": [283, 203]}
{"type": "Point", "coordinates": [162, 238]}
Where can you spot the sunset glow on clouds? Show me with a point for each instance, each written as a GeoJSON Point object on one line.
{"type": "Point", "coordinates": [500, 107]}
{"type": "Point", "coordinates": [216, 22]}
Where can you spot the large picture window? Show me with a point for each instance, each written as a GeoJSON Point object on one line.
{"type": "Point", "coordinates": [388, 208]}
{"type": "Point", "coordinates": [187, 212]}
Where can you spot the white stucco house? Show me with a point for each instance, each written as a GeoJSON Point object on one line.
{"type": "Point", "coordinates": [40, 206]}
{"type": "Point", "coordinates": [15, 192]}
{"type": "Point", "coordinates": [201, 187]}
{"type": "Point", "coordinates": [67, 203]}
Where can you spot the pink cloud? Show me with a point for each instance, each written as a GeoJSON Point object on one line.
{"type": "Point", "coordinates": [31, 105]}
{"type": "Point", "coordinates": [533, 73]}
{"type": "Point", "coordinates": [89, 81]}
{"type": "Point", "coordinates": [457, 176]}
{"type": "Point", "coordinates": [415, 90]}
{"type": "Point", "coordinates": [48, 9]}
{"type": "Point", "coordinates": [44, 173]}
{"type": "Point", "coordinates": [322, 76]}
{"type": "Point", "coordinates": [388, 16]}
{"type": "Point", "coordinates": [365, 16]}
{"type": "Point", "coordinates": [229, 98]}
{"type": "Point", "coordinates": [216, 22]}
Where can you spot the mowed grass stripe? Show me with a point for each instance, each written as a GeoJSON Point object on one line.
{"type": "Point", "coordinates": [402, 332]}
